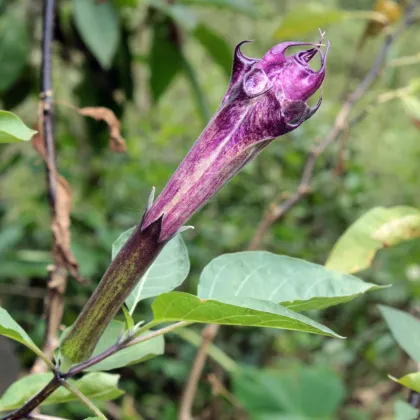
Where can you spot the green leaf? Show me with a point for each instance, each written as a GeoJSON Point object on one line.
{"type": "Point", "coordinates": [245, 7]}
{"type": "Point", "coordinates": [129, 321]}
{"type": "Point", "coordinates": [308, 18]}
{"type": "Point", "coordinates": [411, 381]}
{"type": "Point", "coordinates": [11, 329]}
{"type": "Point", "coordinates": [405, 329]}
{"type": "Point", "coordinates": [167, 272]}
{"type": "Point", "coordinates": [405, 411]}
{"type": "Point", "coordinates": [12, 129]}
{"type": "Point", "coordinates": [178, 13]}
{"type": "Point", "coordinates": [216, 46]}
{"type": "Point", "coordinates": [178, 306]}
{"type": "Point", "coordinates": [98, 25]}
{"type": "Point", "coordinates": [165, 60]}
{"type": "Point", "coordinates": [14, 46]}
{"type": "Point", "coordinates": [129, 356]}
{"type": "Point", "coordinates": [96, 386]}
{"type": "Point", "coordinates": [198, 93]}
{"type": "Point", "coordinates": [298, 393]}
{"type": "Point", "coordinates": [356, 248]}
{"type": "Point", "coordinates": [296, 284]}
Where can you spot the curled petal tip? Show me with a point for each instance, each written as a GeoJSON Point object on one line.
{"type": "Point", "coordinates": [315, 108]}
{"type": "Point", "coordinates": [241, 55]}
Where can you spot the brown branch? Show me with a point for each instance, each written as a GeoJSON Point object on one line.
{"type": "Point", "coordinates": [58, 197]}
{"type": "Point", "coordinates": [187, 400]}
{"type": "Point", "coordinates": [277, 211]}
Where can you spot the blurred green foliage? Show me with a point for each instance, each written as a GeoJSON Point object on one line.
{"type": "Point", "coordinates": [162, 67]}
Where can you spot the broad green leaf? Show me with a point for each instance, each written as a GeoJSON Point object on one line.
{"type": "Point", "coordinates": [96, 386]}
{"type": "Point", "coordinates": [165, 60]}
{"type": "Point", "coordinates": [411, 381]}
{"type": "Point", "coordinates": [98, 25]}
{"type": "Point", "coordinates": [12, 129]}
{"type": "Point", "coordinates": [296, 284]}
{"type": "Point", "coordinates": [308, 18]}
{"type": "Point", "coordinates": [216, 46]}
{"type": "Point", "coordinates": [356, 248]}
{"type": "Point", "coordinates": [405, 329]}
{"type": "Point", "coordinates": [167, 272]}
{"type": "Point", "coordinates": [298, 393]}
{"type": "Point", "coordinates": [129, 356]}
{"type": "Point", "coordinates": [14, 46]}
{"type": "Point", "coordinates": [245, 7]}
{"type": "Point", "coordinates": [199, 95]}
{"type": "Point", "coordinates": [178, 306]}
{"type": "Point", "coordinates": [11, 329]}
{"type": "Point", "coordinates": [405, 411]}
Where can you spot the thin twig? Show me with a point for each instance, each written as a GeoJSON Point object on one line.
{"type": "Point", "coordinates": [277, 211]}
{"type": "Point", "coordinates": [82, 397]}
{"type": "Point", "coordinates": [43, 417]}
{"type": "Point", "coordinates": [187, 400]}
{"type": "Point", "coordinates": [57, 278]}
{"type": "Point", "coordinates": [58, 378]}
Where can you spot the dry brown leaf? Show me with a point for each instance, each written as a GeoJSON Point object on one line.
{"type": "Point", "coordinates": [116, 141]}
{"type": "Point", "coordinates": [60, 224]}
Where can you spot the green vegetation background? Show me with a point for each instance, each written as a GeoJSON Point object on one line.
{"type": "Point", "coordinates": [381, 167]}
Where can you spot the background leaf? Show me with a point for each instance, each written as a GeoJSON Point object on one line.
{"type": "Point", "coordinates": [96, 386]}
{"type": "Point", "coordinates": [295, 394]}
{"type": "Point", "coordinates": [168, 271]}
{"type": "Point", "coordinates": [405, 329]}
{"type": "Point", "coordinates": [177, 306]}
{"type": "Point", "coordinates": [296, 284]}
{"type": "Point", "coordinates": [12, 129]}
{"type": "Point", "coordinates": [177, 12]}
{"type": "Point", "coordinates": [129, 356]}
{"type": "Point", "coordinates": [11, 329]}
{"type": "Point", "coordinates": [216, 46]}
{"type": "Point", "coordinates": [412, 106]}
{"type": "Point", "coordinates": [356, 248]}
{"type": "Point", "coordinates": [305, 19]}
{"type": "Point", "coordinates": [405, 411]}
{"type": "Point", "coordinates": [98, 24]}
{"type": "Point", "coordinates": [411, 381]}
{"type": "Point", "coordinates": [165, 60]}
{"type": "Point", "coordinates": [14, 47]}
{"type": "Point", "coordinates": [199, 96]}
{"type": "Point", "coordinates": [240, 6]}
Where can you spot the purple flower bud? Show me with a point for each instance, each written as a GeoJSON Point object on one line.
{"type": "Point", "coordinates": [265, 99]}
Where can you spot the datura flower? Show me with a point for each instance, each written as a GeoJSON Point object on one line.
{"type": "Point", "coordinates": [265, 99]}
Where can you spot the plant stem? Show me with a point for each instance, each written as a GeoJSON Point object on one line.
{"type": "Point", "coordinates": [131, 341]}
{"type": "Point", "coordinates": [85, 400]}
{"type": "Point", "coordinates": [35, 401]}
{"type": "Point", "coordinates": [119, 280]}
{"type": "Point", "coordinates": [56, 382]}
